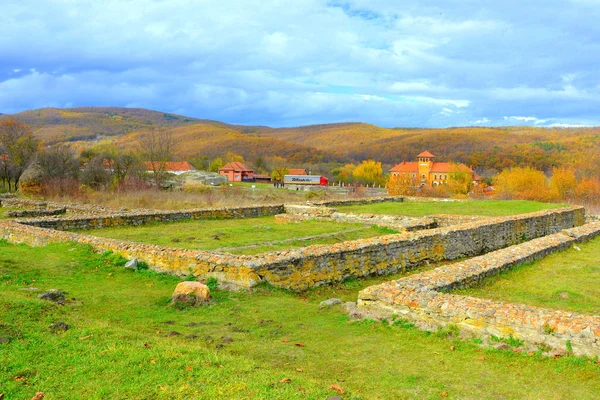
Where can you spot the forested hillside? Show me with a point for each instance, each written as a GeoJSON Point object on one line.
{"type": "Point", "coordinates": [484, 148]}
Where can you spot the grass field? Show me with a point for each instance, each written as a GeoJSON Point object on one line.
{"type": "Point", "coordinates": [4, 209]}
{"type": "Point", "coordinates": [490, 208]}
{"type": "Point", "coordinates": [241, 236]}
{"type": "Point", "coordinates": [569, 280]}
{"type": "Point", "coordinates": [123, 343]}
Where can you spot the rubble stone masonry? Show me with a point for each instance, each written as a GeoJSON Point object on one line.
{"type": "Point", "coordinates": [423, 298]}
{"type": "Point", "coordinates": [299, 269]}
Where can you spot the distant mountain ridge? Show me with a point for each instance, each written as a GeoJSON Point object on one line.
{"type": "Point", "coordinates": [481, 147]}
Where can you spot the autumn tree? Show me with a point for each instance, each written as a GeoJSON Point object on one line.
{"type": "Point", "coordinates": [201, 163]}
{"type": "Point", "coordinates": [460, 180]}
{"type": "Point", "coordinates": [232, 157]}
{"type": "Point", "coordinates": [369, 172]}
{"type": "Point", "coordinates": [216, 164]}
{"type": "Point", "coordinates": [522, 183]}
{"type": "Point", "coordinates": [156, 148]}
{"type": "Point", "coordinates": [17, 149]}
{"type": "Point", "coordinates": [563, 182]}
{"type": "Point", "coordinates": [588, 190]}
{"type": "Point", "coordinates": [344, 174]}
{"type": "Point", "coordinates": [278, 174]}
{"type": "Point", "coordinates": [402, 185]}
{"type": "Point", "coordinates": [261, 165]}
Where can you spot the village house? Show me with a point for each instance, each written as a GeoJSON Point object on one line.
{"type": "Point", "coordinates": [237, 172]}
{"type": "Point", "coordinates": [297, 171]}
{"type": "Point", "coordinates": [172, 167]}
{"type": "Point", "coordinates": [426, 172]}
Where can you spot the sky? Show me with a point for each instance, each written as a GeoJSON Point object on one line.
{"type": "Point", "coordinates": [404, 63]}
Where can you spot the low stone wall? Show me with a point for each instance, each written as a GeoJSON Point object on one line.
{"type": "Point", "coordinates": [72, 208]}
{"type": "Point", "coordinates": [417, 298]}
{"type": "Point", "coordinates": [444, 220]}
{"type": "Point", "coordinates": [141, 218]}
{"type": "Point", "coordinates": [315, 265]}
{"type": "Point", "coordinates": [296, 213]}
{"type": "Point", "coordinates": [35, 213]}
{"type": "Point", "coordinates": [353, 202]}
{"type": "Point", "coordinates": [91, 216]}
{"type": "Point", "coordinates": [225, 267]}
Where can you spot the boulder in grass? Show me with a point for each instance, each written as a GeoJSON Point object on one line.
{"type": "Point", "coordinates": [191, 293]}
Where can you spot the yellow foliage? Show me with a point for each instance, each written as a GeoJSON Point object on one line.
{"type": "Point", "coordinates": [398, 185]}
{"type": "Point", "coordinates": [563, 182]}
{"type": "Point", "coordinates": [522, 183]}
{"type": "Point", "coordinates": [369, 171]}
{"type": "Point", "coordinates": [460, 180]}
{"type": "Point", "coordinates": [344, 174]}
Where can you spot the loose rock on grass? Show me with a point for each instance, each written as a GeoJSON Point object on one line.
{"type": "Point", "coordinates": [330, 302]}
{"type": "Point", "coordinates": [59, 326]}
{"type": "Point", "coordinates": [191, 293]}
{"type": "Point", "coordinates": [54, 295]}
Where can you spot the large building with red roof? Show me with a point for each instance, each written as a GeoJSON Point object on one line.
{"type": "Point", "coordinates": [427, 172]}
{"type": "Point", "coordinates": [237, 172]}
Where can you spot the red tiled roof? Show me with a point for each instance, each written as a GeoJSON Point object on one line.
{"type": "Point", "coordinates": [449, 167]}
{"type": "Point", "coordinates": [172, 166]}
{"type": "Point", "coordinates": [436, 167]}
{"type": "Point", "coordinates": [3, 157]}
{"type": "Point", "coordinates": [236, 167]}
{"type": "Point", "coordinates": [297, 171]}
{"type": "Point", "coordinates": [426, 154]}
{"type": "Point", "coordinates": [406, 167]}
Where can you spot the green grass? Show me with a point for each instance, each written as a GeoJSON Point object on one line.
{"type": "Point", "coordinates": [4, 209]}
{"type": "Point", "coordinates": [491, 208]}
{"type": "Point", "coordinates": [117, 345]}
{"type": "Point", "coordinates": [237, 235]}
{"type": "Point", "coordinates": [569, 280]}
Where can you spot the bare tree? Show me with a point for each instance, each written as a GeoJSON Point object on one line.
{"type": "Point", "coordinates": [119, 163]}
{"type": "Point", "coordinates": [17, 148]}
{"type": "Point", "coordinates": [59, 162]}
{"type": "Point", "coordinates": [156, 148]}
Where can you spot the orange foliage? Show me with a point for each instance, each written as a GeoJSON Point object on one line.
{"type": "Point", "coordinates": [402, 185]}
{"type": "Point", "coordinates": [563, 182]}
{"type": "Point", "coordinates": [522, 183]}
{"type": "Point", "coordinates": [588, 189]}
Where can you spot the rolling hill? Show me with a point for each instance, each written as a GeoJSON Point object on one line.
{"type": "Point", "coordinates": [481, 147]}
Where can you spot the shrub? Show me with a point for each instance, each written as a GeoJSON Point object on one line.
{"type": "Point", "coordinates": [522, 183]}
{"type": "Point", "coordinates": [212, 283]}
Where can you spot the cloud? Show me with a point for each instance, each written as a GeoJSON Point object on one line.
{"type": "Point", "coordinates": [534, 120]}
{"type": "Point", "coordinates": [283, 63]}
